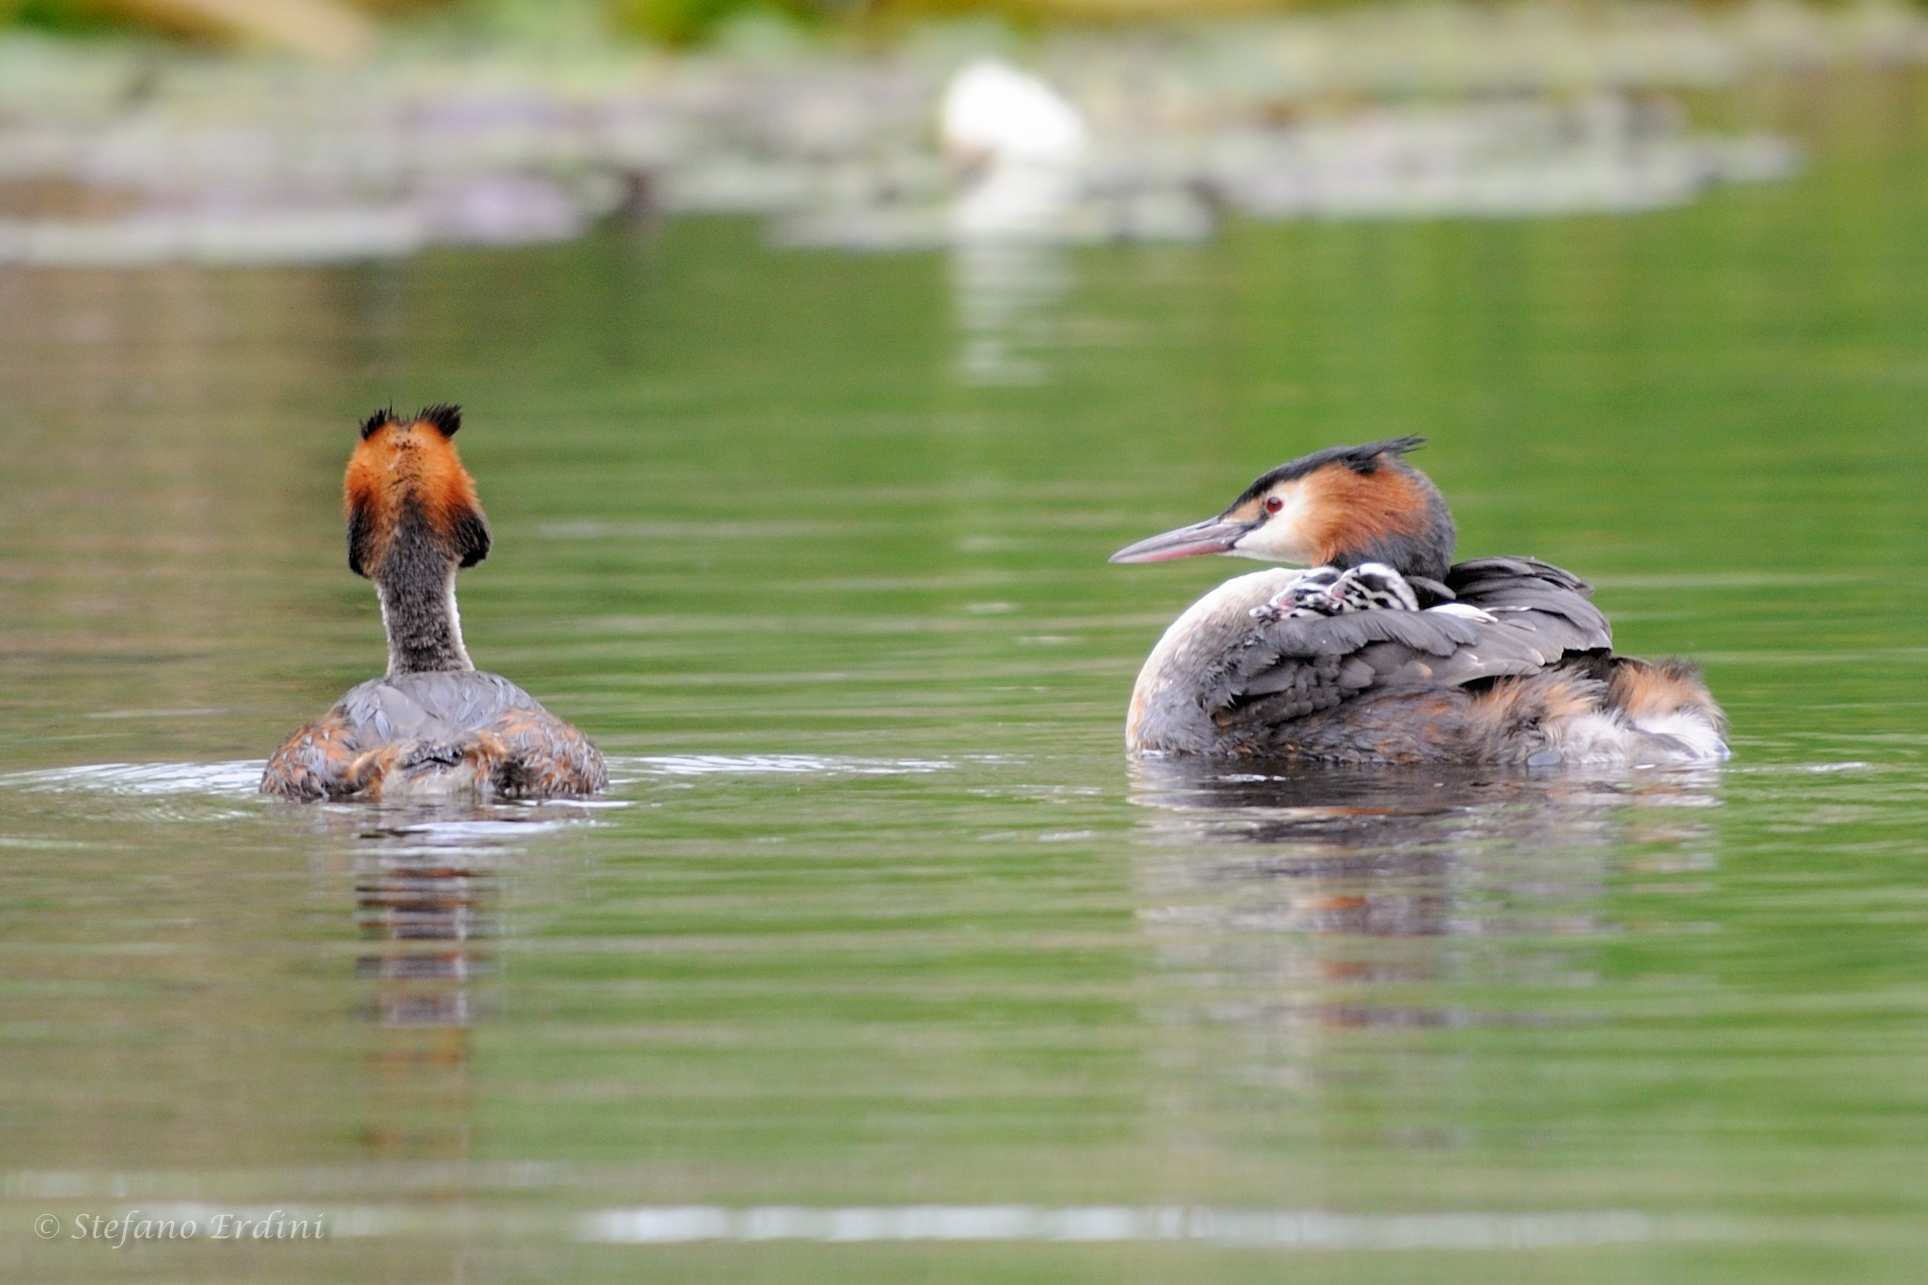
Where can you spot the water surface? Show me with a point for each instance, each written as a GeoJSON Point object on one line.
{"type": "Point", "coordinates": [880, 961]}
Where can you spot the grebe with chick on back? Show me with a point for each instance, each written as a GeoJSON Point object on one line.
{"type": "Point", "coordinates": [1387, 651]}
{"type": "Point", "coordinates": [434, 727]}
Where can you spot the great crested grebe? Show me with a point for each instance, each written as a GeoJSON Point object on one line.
{"type": "Point", "coordinates": [1387, 651]}
{"type": "Point", "coordinates": [434, 726]}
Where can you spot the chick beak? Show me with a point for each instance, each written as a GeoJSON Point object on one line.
{"type": "Point", "coordinates": [1213, 535]}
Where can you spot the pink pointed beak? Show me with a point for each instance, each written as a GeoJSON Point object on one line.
{"type": "Point", "coordinates": [1214, 535]}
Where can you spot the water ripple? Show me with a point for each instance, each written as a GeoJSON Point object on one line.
{"type": "Point", "coordinates": [241, 778]}
{"type": "Point", "coordinates": [661, 765]}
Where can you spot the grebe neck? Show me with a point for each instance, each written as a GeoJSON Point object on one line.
{"type": "Point", "coordinates": [417, 591]}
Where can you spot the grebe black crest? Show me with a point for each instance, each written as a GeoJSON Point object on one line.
{"type": "Point", "coordinates": [1387, 651]}
{"type": "Point", "coordinates": [432, 727]}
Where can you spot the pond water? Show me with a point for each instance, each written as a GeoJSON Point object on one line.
{"type": "Point", "coordinates": [880, 961]}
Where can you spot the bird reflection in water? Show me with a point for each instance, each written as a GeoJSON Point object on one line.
{"type": "Point", "coordinates": [425, 895]}
{"type": "Point", "coordinates": [1006, 295]}
{"type": "Point", "coordinates": [1017, 145]}
{"type": "Point", "coordinates": [1299, 901]}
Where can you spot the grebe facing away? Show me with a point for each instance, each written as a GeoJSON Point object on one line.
{"type": "Point", "coordinates": [434, 726]}
{"type": "Point", "coordinates": [1388, 652]}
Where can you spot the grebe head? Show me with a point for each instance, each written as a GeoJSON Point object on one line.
{"type": "Point", "coordinates": [413, 519]}
{"type": "Point", "coordinates": [1338, 507]}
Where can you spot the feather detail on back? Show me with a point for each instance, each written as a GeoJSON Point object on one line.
{"type": "Point", "coordinates": [461, 733]}
{"type": "Point", "coordinates": [1518, 669]}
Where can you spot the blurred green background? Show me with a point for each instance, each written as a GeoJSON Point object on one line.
{"type": "Point", "coordinates": [675, 23]}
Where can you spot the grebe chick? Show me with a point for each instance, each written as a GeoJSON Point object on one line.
{"type": "Point", "coordinates": [1333, 591]}
{"type": "Point", "coordinates": [434, 726]}
{"type": "Point", "coordinates": [1389, 652]}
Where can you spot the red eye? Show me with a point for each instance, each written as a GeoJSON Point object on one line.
{"type": "Point", "coordinates": [1273, 504]}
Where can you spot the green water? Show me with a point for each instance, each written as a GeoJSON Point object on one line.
{"type": "Point", "coordinates": [877, 915]}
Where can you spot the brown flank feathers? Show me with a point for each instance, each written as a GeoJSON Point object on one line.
{"type": "Point", "coordinates": [1654, 689]}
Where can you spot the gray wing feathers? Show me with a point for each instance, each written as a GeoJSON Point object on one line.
{"type": "Point", "coordinates": [534, 752]}
{"type": "Point", "coordinates": [1534, 597]}
{"type": "Point", "coordinates": [1534, 601]}
{"type": "Point", "coordinates": [1288, 668]}
{"type": "Point", "coordinates": [439, 705]}
{"type": "Point", "coordinates": [1473, 574]}
{"type": "Point", "coordinates": [1325, 658]}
